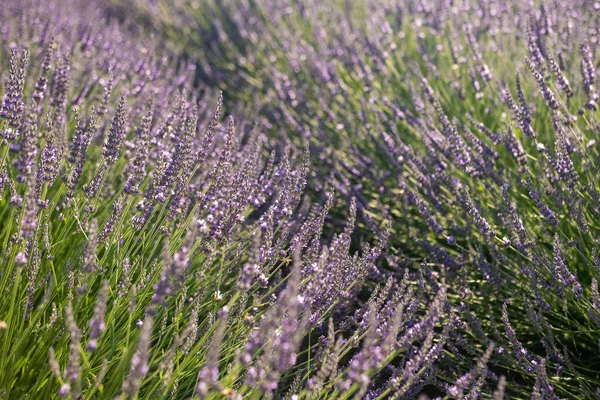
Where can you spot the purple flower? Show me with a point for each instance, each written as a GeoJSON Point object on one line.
{"type": "Point", "coordinates": [12, 102]}
{"type": "Point", "coordinates": [116, 135]}
{"type": "Point", "coordinates": [561, 271]}
{"type": "Point", "coordinates": [139, 362]}
{"type": "Point", "coordinates": [138, 164]}
{"type": "Point", "coordinates": [97, 324]}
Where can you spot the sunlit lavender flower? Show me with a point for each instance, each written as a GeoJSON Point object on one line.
{"type": "Point", "coordinates": [561, 271]}
{"type": "Point", "coordinates": [551, 100]}
{"type": "Point", "coordinates": [537, 200]}
{"type": "Point", "coordinates": [139, 362]}
{"type": "Point", "coordinates": [480, 222]}
{"type": "Point", "coordinates": [562, 81]}
{"type": "Point", "coordinates": [12, 102]}
{"type": "Point", "coordinates": [499, 392]}
{"type": "Point", "coordinates": [80, 143]}
{"type": "Point", "coordinates": [281, 330]}
{"type": "Point", "coordinates": [523, 113]}
{"type": "Point", "coordinates": [209, 375]}
{"type": "Point", "coordinates": [116, 135]}
{"type": "Point", "coordinates": [97, 323]}
{"type": "Point", "coordinates": [89, 258]}
{"type": "Point", "coordinates": [138, 164]}
{"type": "Point", "coordinates": [42, 81]}
{"type": "Point", "coordinates": [482, 68]}
{"type": "Point", "coordinates": [542, 388]}
{"type": "Point", "coordinates": [112, 221]}
{"type": "Point", "coordinates": [464, 381]}
{"type": "Point", "coordinates": [588, 70]}
{"type": "Point", "coordinates": [62, 75]}
{"type": "Point", "coordinates": [520, 353]}
{"type": "Point", "coordinates": [73, 370]}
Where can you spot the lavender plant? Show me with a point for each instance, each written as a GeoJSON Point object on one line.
{"type": "Point", "coordinates": [151, 251]}
{"type": "Point", "coordinates": [470, 125]}
{"type": "Point", "coordinates": [403, 206]}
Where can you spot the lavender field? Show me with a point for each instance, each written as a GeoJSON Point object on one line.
{"type": "Point", "coordinates": [299, 199]}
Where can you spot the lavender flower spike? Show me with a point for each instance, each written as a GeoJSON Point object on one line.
{"type": "Point", "coordinates": [116, 135]}
{"type": "Point", "coordinates": [139, 362]}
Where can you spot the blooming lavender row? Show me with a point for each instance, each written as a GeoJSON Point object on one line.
{"type": "Point", "coordinates": [155, 247]}
{"type": "Point", "coordinates": [471, 126]}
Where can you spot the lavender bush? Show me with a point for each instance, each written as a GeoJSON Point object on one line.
{"type": "Point", "coordinates": [298, 199]}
